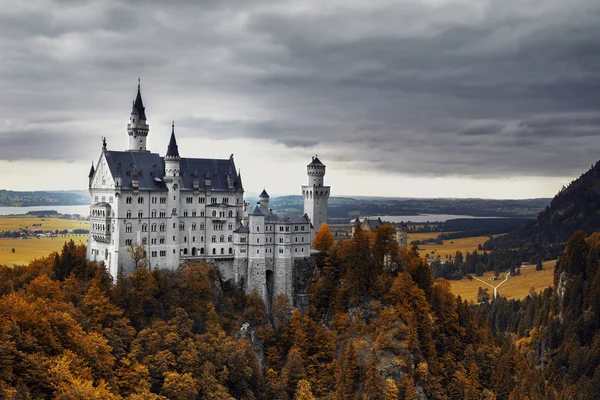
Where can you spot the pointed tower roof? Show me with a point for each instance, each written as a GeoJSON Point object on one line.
{"type": "Point", "coordinates": [138, 104]}
{"type": "Point", "coordinates": [316, 161]}
{"type": "Point", "coordinates": [264, 193]}
{"type": "Point", "coordinates": [92, 171]}
{"type": "Point", "coordinates": [172, 150]}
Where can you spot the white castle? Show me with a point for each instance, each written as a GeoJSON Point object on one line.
{"type": "Point", "coordinates": [184, 209]}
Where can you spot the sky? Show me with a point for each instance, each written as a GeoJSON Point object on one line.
{"type": "Point", "coordinates": [414, 98]}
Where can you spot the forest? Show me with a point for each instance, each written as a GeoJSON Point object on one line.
{"type": "Point", "coordinates": [378, 327]}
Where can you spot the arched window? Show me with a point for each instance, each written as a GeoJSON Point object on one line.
{"type": "Point", "coordinates": [222, 238]}
{"type": "Point", "coordinates": [144, 228]}
{"type": "Point", "coordinates": [214, 213]}
{"type": "Point", "coordinates": [144, 240]}
{"type": "Point", "coordinates": [230, 250]}
{"type": "Point", "coordinates": [174, 211]}
{"type": "Point", "coordinates": [181, 226]}
{"type": "Point", "coordinates": [140, 214]}
{"type": "Point", "coordinates": [230, 214]}
{"type": "Point", "coordinates": [222, 251]}
{"type": "Point", "coordinates": [185, 252]}
{"type": "Point", "coordinates": [214, 239]}
{"type": "Point", "coordinates": [128, 214]}
{"type": "Point", "coordinates": [201, 226]}
{"type": "Point", "coordinates": [258, 229]}
{"type": "Point", "coordinates": [140, 200]}
{"type": "Point", "coordinates": [214, 251]}
{"type": "Point", "coordinates": [230, 238]}
{"type": "Point", "coordinates": [201, 250]}
{"type": "Point", "coordinates": [153, 228]}
{"type": "Point", "coordinates": [162, 227]}
{"type": "Point", "coordinates": [193, 226]}
{"type": "Point", "coordinates": [128, 200]}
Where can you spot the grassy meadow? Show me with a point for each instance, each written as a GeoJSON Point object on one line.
{"type": "Point", "coordinates": [450, 247]}
{"type": "Point", "coordinates": [13, 223]}
{"type": "Point", "coordinates": [517, 287]}
{"type": "Point", "coordinates": [27, 250]}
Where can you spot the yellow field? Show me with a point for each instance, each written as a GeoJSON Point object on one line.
{"type": "Point", "coordinates": [26, 250]}
{"type": "Point", "coordinates": [450, 247]}
{"type": "Point", "coordinates": [9, 223]}
{"type": "Point", "coordinates": [517, 287]}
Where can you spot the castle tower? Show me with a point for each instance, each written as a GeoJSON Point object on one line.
{"type": "Point", "coordinates": [172, 179]}
{"type": "Point", "coordinates": [137, 128]}
{"type": "Point", "coordinates": [315, 194]}
{"type": "Point", "coordinates": [264, 199]}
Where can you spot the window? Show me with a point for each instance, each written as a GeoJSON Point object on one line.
{"type": "Point", "coordinates": [257, 251]}
{"type": "Point", "coordinates": [128, 242]}
{"type": "Point", "coordinates": [280, 240]}
{"type": "Point", "coordinates": [222, 251]}
{"type": "Point", "coordinates": [243, 239]}
{"type": "Point", "coordinates": [296, 228]}
{"type": "Point", "coordinates": [127, 200]}
{"type": "Point", "coordinates": [162, 240]}
{"type": "Point", "coordinates": [153, 254]}
{"type": "Point", "coordinates": [201, 200]}
{"type": "Point", "coordinates": [153, 240]}
{"type": "Point", "coordinates": [213, 200]}
{"type": "Point", "coordinates": [230, 250]}
{"type": "Point", "coordinates": [193, 226]}
{"type": "Point", "coordinates": [189, 200]}
{"type": "Point", "coordinates": [144, 228]}
{"type": "Point", "coordinates": [258, 229]}
{"type": "Point", "coordinates": [163, 200]}
{"type": "Point", "coordinates": [230, 214]}
{"type": "Point", "coordinates": [280, 251]}
{"type": "Point", "coordinates": [202, 213]}
{"type": "Point", "coordinates": [225, 200]}
{"type": "Point", "coordinates": [230, 227]}
{"type": "Point", "coordinates": [214, 213]}
{"type": "Point", "coordinates": [110, 199]}
{"type": "Point", "coordinates": [295, 250]}
{"type": "Point", "coordinates": [153, 213]}
{"type": "Point", "coordinates": [281, 229]}
{"type": "Point", "coordinates": [153, 227]}
{"type": "Point", "coordinates": [140, 200]}
{"type": "Point", "coordinates": [173, 238]}
{"type": "Point", "coordinates": [163, 253]}
{"type": "Point", "coordinates": [193, 213]}
{"type": "Point", "coordinates": [296, 240]}
{"type": "Point", "coordinates": [174, 211]}
{"type": "Point", "coordinates": [181, 226]}
{"type": "Point", "coordinates": [193, 238]}
{"type": "Point", "coordinates": [185, 239]}
{"type": "Point", "coordinates": [221, 238]}
{"type": "Point", "coordinates": [303, 238]}
{"type": "Point", "coordinates": [154, 201]}
{"type": "Point", "coordinates": [258, 240]}
{"type": "Point", "coordinates": [163, 214]}
{"type": "Point", "coordinates": [128, 214]}
{"type": "Point", "coordinates": [230, 238]}
{"type": "Point", "coordinates": [201, 226]}
{"type": "Point", "coordinates": [302, 228]}
{"type": "Point", "coordinates": [140, 214]}
{"type": "Point", "coordinates": [128, 228]}
{"type": "Point", "coordinates": [214, 238]}
{"type": "Point", "coordinates": [144, 241]}
{"type": "Point", "coordinates": [162, 227]}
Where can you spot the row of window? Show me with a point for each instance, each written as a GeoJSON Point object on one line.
{"type": "Point", "coordinates": [163, 213]}
{"type": "Point", "coordinates": [110, 199]}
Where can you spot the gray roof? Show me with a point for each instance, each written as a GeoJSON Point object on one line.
{"type": "Point", "coordinates": [316, 161]}
{"type": "Point", "coordinates": [150, 170]}
{"type": "Point", "coordinates": [242, 229]}
{"type": "Point", "coordinates": [264, 193]}
{"type": "Point", "coordinates": [138, 105]}
{"type": "Point", "coordinates": [286, 219]}
{"type": "Point", "coordinates": [256, 210]}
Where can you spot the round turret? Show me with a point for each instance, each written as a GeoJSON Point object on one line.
{"type": "Point", "coordinates": [264, 199]}
{"type": "Point", "coordinates": [316, 172]}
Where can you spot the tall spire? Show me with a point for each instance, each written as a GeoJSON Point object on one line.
{"type": "Point", "coordinates": [172, 150]}
{"type": "Point", "coordinates": [138, 104]}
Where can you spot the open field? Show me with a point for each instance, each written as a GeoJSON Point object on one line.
{"type": "Point", "coordinates": [517, 287]}
{"type": "Point", "coordinates": [450, 247]}
{"type": "Point", "coordinates": [26, 250]}
{"type": "Point", "coordinates": [423, 236]}
{"type": "Point", "coordinates": [12, 223]}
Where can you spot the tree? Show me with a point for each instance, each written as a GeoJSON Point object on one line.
{"type": "Point", "coordinates": [323, 240]}
{"type": "Point", "coordinates": [179, 386]}
{"type": "Point", "coordinates": [294, 370]}
{"type": "Point", "coordinates": [304, 391]}
{"type": "Point", "coordinates": [138, 255]}
{"type": "Point", "coordinates": [374, 389]}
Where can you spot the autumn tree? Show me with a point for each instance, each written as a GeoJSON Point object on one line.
{"type": "Point", "coordinates": [323, 240]}
{"type": "Point", "coordinates": [304, 391]}
{"type": "Point", "coordinates": [138, 255]}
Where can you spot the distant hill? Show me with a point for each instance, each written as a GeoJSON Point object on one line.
{"type": "Point", "coordinates": [576, 207]}
{"type": "Point", "coordinates": [351, 207]}
{"type": "Point", "coordinates": [9, 198]}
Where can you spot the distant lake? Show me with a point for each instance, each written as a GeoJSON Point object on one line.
{"type": "Point", "coordinates": [423, 217]}
{"type": "Point", "coordinates": [81, 210]}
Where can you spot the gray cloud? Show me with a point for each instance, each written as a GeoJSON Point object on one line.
{"type": "Point", "coordinates": [496, 88]}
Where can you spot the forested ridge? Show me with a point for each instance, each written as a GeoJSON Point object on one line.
{"type": "Point", "coordinates": [378, 328]}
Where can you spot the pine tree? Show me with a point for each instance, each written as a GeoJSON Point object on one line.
{"type": "Point", "coordinates": [304, 391]}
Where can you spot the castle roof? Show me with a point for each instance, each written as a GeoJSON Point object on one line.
{"type": "Point", "coordinates": [264, 193]}
{"type": "Point", "coordinates": [92, 171]}
{"type": "Point", "coordinates": [150, 170]}
{"type": "Point", "coordinates": [173, 150]}
{"type": "Point", "coordinates": [286, 219]}
{"type": "Point", "coordinates": [316, 161]}
{"type": "Point", "coordinates": [256, 210]}
{"type": "Point", "coordinates": [138, 104]}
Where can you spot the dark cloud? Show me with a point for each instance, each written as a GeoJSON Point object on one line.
{"type": "Point", "coordinates": [497, 88]}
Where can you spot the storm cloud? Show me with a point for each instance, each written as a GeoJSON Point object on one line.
{"type": "Point", "coordinates": [421, 88]}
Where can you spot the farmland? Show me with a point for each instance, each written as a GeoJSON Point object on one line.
{"type": "Point", "coordinates": [13, 223]}
{"type": "Point", "coordinates": [449, 248]}
{"type": "Point", "coordinates": [26, 250]}
{"type": "Point", "coordinates": [517, 287]}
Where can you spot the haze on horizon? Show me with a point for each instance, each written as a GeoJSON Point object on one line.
{"type": "Point", "coordinates": [419, 98]}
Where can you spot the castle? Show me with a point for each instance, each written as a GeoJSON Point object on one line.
{"type": "Point", "coordinates": [369, 225]}
{"type": "Point", "coordinates": [182, 209]}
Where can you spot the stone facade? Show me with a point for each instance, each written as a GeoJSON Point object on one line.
{"type": "Point", "coordinates": [183, 209]}
{"type": "Point", "coordinates": [368, 225]}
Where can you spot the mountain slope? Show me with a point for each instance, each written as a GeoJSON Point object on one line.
{"type": "Point", "coordinates": [576, 207]}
